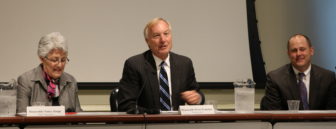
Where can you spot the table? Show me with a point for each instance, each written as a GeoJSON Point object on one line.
{"type": "Point", "coordinates": [212, 125]}
{"type": "Point", "coordinates": [169, 119]}
{"type": "Point", "coordinates": [85, 117]}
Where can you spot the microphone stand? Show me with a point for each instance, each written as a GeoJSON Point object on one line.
{"type": "Point", "coordinates": [141, 110]}
{"type": "Point", "coordinates": [138, 110]}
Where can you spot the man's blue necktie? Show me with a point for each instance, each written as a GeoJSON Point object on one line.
{"type": "Point", "coordinates": [303, 92]}
{"type": "Point", "coordinates": [164, 89]}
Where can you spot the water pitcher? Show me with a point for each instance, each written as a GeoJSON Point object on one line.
{"type": "Point", "coordinates": [244, 95]}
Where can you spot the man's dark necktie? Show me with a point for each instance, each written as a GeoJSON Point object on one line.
{"type": "Point", "coordinates": [303, 92]}
{"type": "Point", "coordinates": [164, 89]}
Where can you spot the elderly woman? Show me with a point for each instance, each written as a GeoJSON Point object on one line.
{"type": "Point", "coordinates": [48, 84]}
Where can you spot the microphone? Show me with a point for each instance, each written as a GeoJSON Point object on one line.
{"type": "Point", "coordinates": [142, 110]}
{"type": "Point", "coordinates": [136, 109]}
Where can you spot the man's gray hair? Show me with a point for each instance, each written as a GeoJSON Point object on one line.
{"type": "Point", "coordinates": [153, 22]}
{"type": "Point", "coordinates": [54, 40]}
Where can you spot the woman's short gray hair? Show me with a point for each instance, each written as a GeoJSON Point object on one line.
{"type": "Point", "coordinates": [51, 41]}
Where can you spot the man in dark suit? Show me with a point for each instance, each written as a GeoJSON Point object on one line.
{"type": "Point", "coordinates": [158, 79]}
{"type": "Point", "coordinates": [314, 86]}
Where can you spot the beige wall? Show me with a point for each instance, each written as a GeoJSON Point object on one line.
{"type": "Point", "coordinates": [272, 31]}
{"type": "Point", "coordinates": [102, 34]}
{"type": "Point", "coordinates": [279, 19]}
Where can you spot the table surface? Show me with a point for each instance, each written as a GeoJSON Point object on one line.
{"type": "Point", "coordinates": [110, 117]}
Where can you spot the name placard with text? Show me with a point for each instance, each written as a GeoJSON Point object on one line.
{"type": "Point", "coordinates": [196, 109]}
{"type": "Point", "coordinates": [45, 111]}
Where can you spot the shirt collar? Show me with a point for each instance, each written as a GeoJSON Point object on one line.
{"type": "Point", "coordinates": [158, 60]}
{"type": "Point", "coordinates": [307, 72]}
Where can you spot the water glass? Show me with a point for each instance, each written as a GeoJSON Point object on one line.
{"type": "Point", "coordinates": [293, 105]}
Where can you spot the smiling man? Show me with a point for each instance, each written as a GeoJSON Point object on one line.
{"type": "Point", "coordinates": [314, 86]}
{"type": "Point", "coordinates": [158, 79]}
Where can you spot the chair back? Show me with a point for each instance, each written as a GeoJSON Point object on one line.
{"type": "Point", "coordinates": [114, 100]}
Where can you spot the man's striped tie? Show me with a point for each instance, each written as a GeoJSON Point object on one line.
{"type": "Point", "coordinates": [303, 92]}
{"type": "Point", "coordinates": [164, 89]}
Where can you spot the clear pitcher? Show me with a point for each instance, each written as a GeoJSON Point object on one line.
{"type": "Point", "coordinates": [244, 95]}
{"type": "Point", "coordinates": [8, 98]}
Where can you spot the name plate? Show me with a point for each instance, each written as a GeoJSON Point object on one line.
{"type": "Point", "coordinates": [45, 111]}
{"type": "Point", "coordinates": [196, 109]}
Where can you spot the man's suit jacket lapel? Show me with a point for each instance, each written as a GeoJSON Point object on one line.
{"type": "Point", "coordinates": [150, 70]}
{"type": "Point", "coordinates": [313, 88]}
{"type": "Point", "coordinates": [293, 87]}
{"type": "Point", "coordinates": [174, 80]}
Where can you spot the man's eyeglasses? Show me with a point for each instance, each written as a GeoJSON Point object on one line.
{"type": "Point", "coordinates": [57, 60]}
